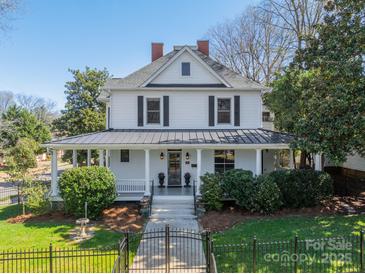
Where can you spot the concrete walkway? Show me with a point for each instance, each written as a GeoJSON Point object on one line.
{"type": "Point", "coordinates": [186, 246]}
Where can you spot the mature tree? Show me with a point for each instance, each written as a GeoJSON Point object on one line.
{"type": "Point", "coordinates": [299, 17]}
{"type": "Point", "coordinates": [20, 123]}
{"type": "Point", "coordinates": [264, 38]}
{"type": "Point", "coordinates": [6, 100]}
{"type": "Point", "coordinates": [252, 44]}
{"type": "Point", "coordinates": [41, 108]}
{"type": "Point", "coordinates": [22, 157]}
{"type": "Point", "coordinates": [83, 113]}
{"type": "Point", "coordinates": [327, 78]}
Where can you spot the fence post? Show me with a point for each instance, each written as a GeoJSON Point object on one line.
{"type": "Point", "coordinates": [126, 267]}
{"type": "Point", "coordinates": [119, 253]}
{"type": "Point", "coordinates": [208, 241]}
{"type": "Point", "coordinates": [296, 254]}
{"type": "Point", "coordinates": [18, 194]}
{"type": "Point", "coordinates": [50, 259]}
{"type": "Point", "coordinates": [167, 248]}
{"type": "Point", "coordinates": [361, 251]}
{"type": "Point", "coordinates": [254, 254]}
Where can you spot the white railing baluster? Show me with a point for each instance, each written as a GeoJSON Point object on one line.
{"type": "Point", "coordinates": [130, 186]}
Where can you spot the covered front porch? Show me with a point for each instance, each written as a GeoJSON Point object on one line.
{"type": "Point", "coordinates": [138, 165]}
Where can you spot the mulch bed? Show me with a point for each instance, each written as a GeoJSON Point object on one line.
{"type": "Point", "coordinates": [221, 220]}
{"type": "Point", "coordinates": [123, 217]}
{"type": "Point", "coordinates": [52, 216]}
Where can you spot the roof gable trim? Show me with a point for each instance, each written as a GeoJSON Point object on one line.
{"type": "Point", "coordinates": [169, 62]}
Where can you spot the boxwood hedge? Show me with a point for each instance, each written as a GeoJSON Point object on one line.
{"type": "Point", "coordinates": [94, 185]}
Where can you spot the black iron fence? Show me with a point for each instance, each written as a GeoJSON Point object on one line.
{"type": "Point", "coordinates": [165, 250]}
{"type": "Point", "coordinates": [337, 254]}
{"type": "Point", "coordinates": [58, 260]}
{"type": "Point", "coordinates": [176, 250]}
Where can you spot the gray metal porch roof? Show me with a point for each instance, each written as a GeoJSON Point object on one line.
{"type": "Point", "coordinates": [176, 137]}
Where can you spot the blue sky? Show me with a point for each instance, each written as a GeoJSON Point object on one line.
{"type": "Point", "coordinates": [50, 36]}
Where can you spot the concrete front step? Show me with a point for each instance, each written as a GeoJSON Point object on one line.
{"type": "Point", "coordinates": [173, 198]}
{"type": "Point", "coordinates": [176, 206]}
{"type": "Point", "coordinates": [172, 216]}
{"type": "Point", "coordinates": [171, 210]}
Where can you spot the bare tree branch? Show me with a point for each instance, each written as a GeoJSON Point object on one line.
{"type": "Point", "coordinates": [7, 9]}
{"type": "Point", "coordinates": [252, 44]}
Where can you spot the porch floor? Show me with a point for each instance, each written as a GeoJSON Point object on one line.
{"type": "Point", "coordinates": [165, 191]}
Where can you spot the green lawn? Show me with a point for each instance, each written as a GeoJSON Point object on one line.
{"type": "Point", "coordinates": [234, 247]}
{"type": "Point", "coordinates": [283, 228]}
{"type": "Point", "coordinates": [41, 234]}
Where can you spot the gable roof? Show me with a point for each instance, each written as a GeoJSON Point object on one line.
{"type": "Point", "coordinates": [195, 56]}
{"type": "Point", "coordinates": [138, 78]}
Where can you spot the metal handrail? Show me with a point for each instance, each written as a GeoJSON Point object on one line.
{"type": "Point", "coordinates": [151, 198]}
{"type": "Point", "coordinates": [194, 195]}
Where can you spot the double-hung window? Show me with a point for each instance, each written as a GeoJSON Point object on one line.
{"type": "Point", "coordinates": [153, 110]}
{"type": "Point", "coordinates": [185, 69]}
{"type": "Point", "coordinates": [223, 160]}
{"type": "Point", "coordinates": [224, 110]}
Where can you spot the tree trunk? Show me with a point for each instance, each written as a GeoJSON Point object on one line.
{"type": "Point", "coordinates": [303, 159]}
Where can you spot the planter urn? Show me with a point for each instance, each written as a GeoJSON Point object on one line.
{"type": "Point", "coordinates": [161, 179]}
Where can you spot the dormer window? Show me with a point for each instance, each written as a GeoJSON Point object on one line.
{"type": "Point", "coordinates": [185, 69]}
{"type": "Point", "coordinates": [153, 110]}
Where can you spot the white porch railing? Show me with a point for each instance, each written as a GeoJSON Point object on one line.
{"type": "Point", "coordinates": [131, 185]}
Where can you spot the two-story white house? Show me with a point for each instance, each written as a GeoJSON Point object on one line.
{"type": "Point", "coordinates": [182, 113]}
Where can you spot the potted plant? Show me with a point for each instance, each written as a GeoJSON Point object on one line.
{"type": "Point", "coordinates": [187, 177]}
{"type": "Point", "coordinates": [161, 179]}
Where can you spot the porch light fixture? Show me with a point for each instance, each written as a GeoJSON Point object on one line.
{"type": "Point", "coordinates": [161, 156]}
{"type": "Point", "coordinates": [187, 156]}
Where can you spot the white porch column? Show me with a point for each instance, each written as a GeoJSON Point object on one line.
{"type": "Point", "coordinates": [147, 171]}
{"type": "Point", "coordinates": [291, 159]}
{"type": "Point", "coordinates": [88, 159]}
{"type": "Point", "coordinates": [54, 173]}
{"type": "Point", "coordinates": [74, 158]}
{"type": "Point", "coordinates": [107, 152]}
{"type": "Point", "coordinates": [318, 162]}
{"type": "Point", "coordinates": [198, 169]}
{"type": "Point", "coordinates": [101, 157]}
{"type": "Point", "coordinates": [258, 162]}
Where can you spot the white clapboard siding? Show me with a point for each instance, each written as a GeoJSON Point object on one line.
{"type": "Point", "coordinates": [198, 73]}
{"type": "Point", "coordinates": [188, 109]}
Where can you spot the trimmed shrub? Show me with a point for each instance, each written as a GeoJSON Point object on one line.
{"type": "Point", "coordinates": [94, 185]}
{"type": "Point", "coordinates": [239, 184]}
{"type": "Point", "coordinates": [36, 197]}
{"type": "Point", "coordinates": [302, 188]}
{"type": "Point", "coordinates": [268, 197]}
{"type": "Point", "coordinates": [211, 191]}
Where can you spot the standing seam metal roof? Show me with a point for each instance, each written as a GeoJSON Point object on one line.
{"type": "Point", "coordinates": [178, 136]}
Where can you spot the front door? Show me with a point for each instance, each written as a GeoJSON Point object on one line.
{"type": "Point", "coordinates": [174, 168]}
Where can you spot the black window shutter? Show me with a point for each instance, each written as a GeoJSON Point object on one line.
{"type": "Point", "coordinates": [140, 111]}
{"type": "Point", "coordinates": [237, 111]}
{"type": "Point", "coordinates": [166, 111]}
{"type": "Point", "coordinates": [211, 111]}
{"type": "Point", "coordinates": [108, 118]}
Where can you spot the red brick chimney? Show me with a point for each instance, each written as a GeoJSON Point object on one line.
{"type": "Point", "coordinates": [203, 46]}
{"type": "Point", "coordinates": [156, 51]}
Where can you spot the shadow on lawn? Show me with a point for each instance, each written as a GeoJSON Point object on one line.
{"type": "Point", "coordinates": [286, 228]}
{"type": "Point", "coordinates": [7, 212]}
{"type": "Point", "coordinates": [62, 228]}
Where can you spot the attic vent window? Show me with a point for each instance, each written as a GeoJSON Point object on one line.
{"type": "Point", "coordinates": [185, 69]}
